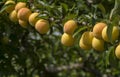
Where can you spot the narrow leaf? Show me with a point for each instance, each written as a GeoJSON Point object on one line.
{"type": "Point", "coordinates": [4, 7]}
{"type": "Point", "coordinates": [102, 8]}
{"type": "Point", "coordinates": [116, 9]}
{"type": "Point", "coordinates": [112, 58]}
{"type": "Point", "coordinates": [109, 31]}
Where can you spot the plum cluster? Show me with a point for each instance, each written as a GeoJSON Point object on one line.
{"type": "Point", "coordinates": [19, 12]}
{"type": "Point", "coordinates": [67, 38]}
{"type": "Point", "coordinates": [98, 36]}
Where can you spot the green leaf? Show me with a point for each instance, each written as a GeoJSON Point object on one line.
{"type": "Point", "coordinates": [21, 0]}
{"type": "Point", "coordinates": [5, 6]}
{"type": "Point", "coordinates": [64, 7]}
{"type": "Point", "coordinates": [109, 31]}
{"type": "Point", "coordinates": [116, 9]}
{"type": "Point", "coordinates": [115, 20]}
{"type": "Point", "coordinates": [112, 58]}
{"type": "Point", "coordinates": [108, 55]}
{"type": "Point", "coordinates": [68, 17]}
{"type": "Point", "coordinates": [43, 16]}
{"type": "Point", "coordinates": [79, 30]}
{"type": "Point", "coordinates": [102, 8]}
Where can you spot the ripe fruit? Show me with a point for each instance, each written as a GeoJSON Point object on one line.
{"type": "Point", "coordinates": [24, 13]}
{"type": "Point", "coordinates": [33, 19]}
{"type": "Point", "coordinates": [42, 26]}
{"type": "Point", "coordinates": [10, 7]}
{"type": "Point", "coordinates": [97, 30]}
{"type": "Point", "coordinates": [13, 16]}
{"type": "Point", "coordinates": [98, 44]}
{"type": "Point", "coordinates": [83, 46]}
{"type": "Point", "coordinates": [115, 34]}
{"type": "Point", "coordinates": [67, 40]}
{"type": "Point", "coordinates": [20, 5]}
{"type": "Point", "coordinates": [87, 38]}
{"type": "Point", "coordinates": [70, 26]}
{"type": "Point", "coordinates": [117, 51]}
{"type": "Point", "coordinates": [22, 23]}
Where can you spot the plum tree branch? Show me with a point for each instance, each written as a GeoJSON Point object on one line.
{"type": "Point", "coordinates": [74, 66]}
{"type": "Point", "coordinates": [64, 67]}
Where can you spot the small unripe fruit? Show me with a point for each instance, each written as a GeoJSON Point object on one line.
{"type": "Point", "coordinates": [13, 16]}
{"type": "Point", "coordinates": [117, 51]}
{"type": "Point", "coordinates": [97, 30]}
{"type": "Point", "coordinates": [42, 26]}
{"type": "Point", "coordinates": [23, 24]}
{"type": "Point", "coordinates": [98, 44]}
{"type": "Point", "coordinates": [33, 19]}
{"type": "Point", "coordinates": [10, 7]}
{"type": "Point", "coordinates": [115, 34]}
{"type": "Point", "coordinates": [87, 38]}
{"type": "Point", "coordinates": [67, 40]}
{"type": "Point", "coordinates": [20, 5]}
{"type": "Point", "coordinates": [23, 14]}
{"type": "Point", "coordinates": [5, 40]}
{"type": "Point", "coordinates": [83, 46]}
{"type": "Point", "coordinates": [70, 26]}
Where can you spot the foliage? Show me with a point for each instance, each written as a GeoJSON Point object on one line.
{"type": "Point", "coordinates": [26, 53]}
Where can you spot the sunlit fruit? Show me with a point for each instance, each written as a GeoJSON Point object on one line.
{"type": "Point", "coordinates": [70, 26]}
{"type": "Point", "coordinates": [10, 5]}
{"type": "Point", "coordinates": [83, 46]}
{"type": "Point", "coordinates": [13, 16]}
{"type": "Point", "coordinates": [33, 18]}
{"type": "Point", "coordinates": [114, 35]}
{"type": "Point", "coordinates": [20, 5]}
{"type": "Point", "coordinates": [117, 51]}
{"type": "Point", "coordinates": [87, 38]}
{"type": "Point", "coordinates": [98, 44]}
{"type": "Point", "coordinates": [23, 24]}
{"type": "Point", "coordinates": [97, 30]}
{"type": "Point", "coordinates": [42, 26]}
{"type": "Point", "coordinates": [67, 40]}
{"type": "Point", "coordinates": [24, 13]}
